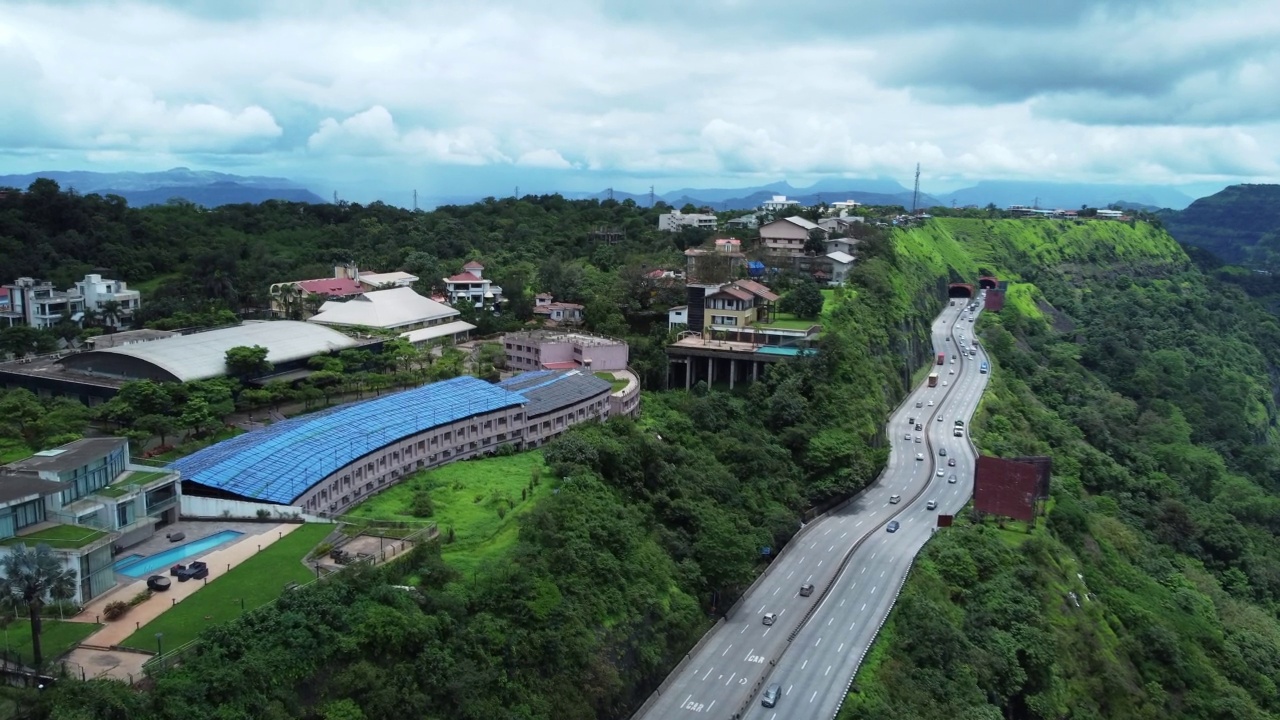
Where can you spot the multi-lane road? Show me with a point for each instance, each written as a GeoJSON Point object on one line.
{"type": "Point", "coordinates": [816, 644]}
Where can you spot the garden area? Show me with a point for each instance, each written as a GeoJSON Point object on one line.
{"type": "Point", "coordinates": [475, 504]}
{"type": "Point", "coordinates": [56, 637]}
{"type": "Point", "coordinates": [250, 585]}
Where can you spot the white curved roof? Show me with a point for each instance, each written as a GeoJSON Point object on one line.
{"type": "Point", "coordinates": [203, 355]}
{"type": "Point", "coordinates": [393, 308]}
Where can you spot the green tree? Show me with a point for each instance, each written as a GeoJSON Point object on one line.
{"type": "Point", "coordinates": [245, 362]}
{"type": "Point", "coordinates": [805, 301]}
{"type": "Point", "coordinates": [31, 577]}
{"type": "Point", "coordinates": [816, 243]}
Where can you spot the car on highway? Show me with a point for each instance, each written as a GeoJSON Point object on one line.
{"type": "Point", "coordinates": [933, 505]}
{"type": "Point", "coordinates": [944, 383]}
{"type": "Point", "coordinates": [769, 618]}
{"type": "Point", "coordinates": [806, 590]}
{"type": "Point", "coordinates": [892, 526]}
{"type": "Point", "coordinates": [919, 403]}
{"type": "Point", "coordinates": [951, 462]}
{"type": "Point", "coordinates": [919, 456]}
{"type": "Point", "coordinates": [895, 499]}
{"type": "Point", "coordinates": [771, 695]}
{"type": "Point", "coordinates": [919, 438]}
{"type": "Point", "coordinates": [908, 437]}
{"type": "Point", "coordinates": [952, 479]}
{"type": "Point", "coordinates": [919, 426]}
{"type": "Point", "coordinates": [953, 371]}
{"type": "Point", "coordinates": [942, 452]}
{"type": "Point", "coordinates": [930, 403]}
{"type": "Point", "coordinates": [939, 418]}
{"type": "Point", "coordinates": [939, 472]}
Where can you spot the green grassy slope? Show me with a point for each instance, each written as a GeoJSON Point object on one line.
{"type": "Point", "coordinates": [1150, 385]}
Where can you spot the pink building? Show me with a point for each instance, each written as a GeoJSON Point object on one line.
{"type": "Point", "coordinates": [542, 349]}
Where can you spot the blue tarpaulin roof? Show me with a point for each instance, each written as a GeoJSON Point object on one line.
{"type": "Point", "coordinates": [280, 462]}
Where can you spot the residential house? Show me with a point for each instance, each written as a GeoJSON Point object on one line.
{"type": "Point", "coordinates": [841, 265]}
{"type": "Point", "coordinates": [556, 313]}
{"type": "Point", "coordinates": [86, 500]}
{"type": "Point", "coordinates": [1105, 214]}
{"type": "Point", "coordinates": [840, 225]}
{"type": "Point", "coordinates": [786, 237]}
{"type": "Point", "coordinates": [295, 297]}
{"type": "Point", "coordinates": [471, 286]}
{"type": "Point", "coordinates": [843, 207]}
{"type": "Point", "coordinates": [112, 300]}
{"type": "Point", "coordinates": [676, 221]}
{"type": "Point", "coordinates": [384, 281]}
{"type": "Point", "coordinates": [750, 221]}
{"type": "Point", "coordinates": [678, 316]}
{"type": "Point", "coordinates": [779, 203]}
{"type": "Point", "coordinates": [844, 245]}
{"type": "Point", "coordinates": [39, 304]}
{"type": "Point", "coordinates": [718, 265]}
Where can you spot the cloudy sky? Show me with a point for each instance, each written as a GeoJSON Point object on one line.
{"type": "Point", "coordinates": [379, 96]}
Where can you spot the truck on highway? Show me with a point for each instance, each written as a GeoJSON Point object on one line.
{"type": "Point", "coordinates": [942, 357]}
{"type": "Point", "coordinates": [933, 379]}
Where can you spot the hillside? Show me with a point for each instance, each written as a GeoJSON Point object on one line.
{"type": "Point", "coordinates": [1241, 225]}
{"type": "Point", "coordinates": [1150, 385]}
{"type": "Point", "coordinates": [202, 187]}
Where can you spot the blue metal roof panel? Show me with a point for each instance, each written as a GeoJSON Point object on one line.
{"type": "Point", "coordinates": [280, 462]}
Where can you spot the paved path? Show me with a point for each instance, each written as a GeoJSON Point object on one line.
{"type": "Point", "coordinates": [219, 562]}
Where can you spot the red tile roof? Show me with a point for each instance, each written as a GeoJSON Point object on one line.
{"type": "Point", "coordinates": [332, 287]}
{"type": "Point", "coordinates": [473, 264]}
{"type": "Point", "coordinates": [732, 292]}
{"type": "Point", "coordinates": [756, 288]}
{"type": "Point", "coordinates": [464, 278]}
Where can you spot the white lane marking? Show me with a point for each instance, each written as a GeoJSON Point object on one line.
{"type": "Point", "coordinates": [864, 606]}
{"type": "Point", "coordinates": [833, 547]}
{"type": "Point", "coordinates": [766, 630]}
{"type": "Point", "coordinates": [762, 607]}
{"type": "Point", "coordinates": [859, 524]}
{"type": "Point", "coordinates": [811, 546]}
{"type": "Point", "coordinates": [808, 578]}
{"type": "Point", "coordinates": [828, 672]}
{"type": "Point", "coordinates": [842, 602]}
{"type": "Point", "coordinates": [802, 557]}
{"type": "Point", "coordinates": [686, 700]}
{"type": "Point", "coordinates": [873, 556]}
{"type": "Point", "coordinates": [828, 532]}
{"type": "Point", "coordinates": [818, 643]}
{"type": "Point", "coordinates": [881, 575]}
{"type": "Point", "coordinates": [864, 569]}
{"type": "Point", "coordinates": [831, 621]}
{"type": "Point", "coordinates": [819, 563]}
{"type": "Point", "coordinates": [873, 590]}
{"type": "Point", "coordinates": [804, 664]}
{"type": "Point", "coordinates": [841, 648]}
{"type": "Point", "coordinates": [775, 590]}
{"type": "Point", "coordinates": [751, 652]}
{"type": "Point", "coordinates": [744, 629]}
{"type": "Point", "coordinates": [704, 677]}
{"type": "Point", "coordinates": [793, 572]}
{"type": "Point", "coordinates": [726, 650]}
{"type": "Point", "coordinates": [731, 677]}
{"type": "Point", "coordinates": [842, 536]}
{"type": "Point", "coordinates": [815, 694]}
{"type": "Point", "coordinates": [713, 702]}
{"type": "Point", "coordinates": [850, 625]}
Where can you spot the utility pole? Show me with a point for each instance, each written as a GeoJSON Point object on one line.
{"type": "Point", "coordinates": [915, 196]}
{"type": "Point", "coordinates": [335, 197]}
{"type": "Point", "coordinates": [517, 192]}
{"type": "Point", "coordinates": [650, 196]}
{"type": "Point", "coordinates": [415, 200]}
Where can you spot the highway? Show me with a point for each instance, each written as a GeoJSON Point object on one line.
{"type": "Point", "coordinates": [813, 649]}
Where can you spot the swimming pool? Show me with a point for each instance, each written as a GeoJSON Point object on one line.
{"type": "Point", "coordinates": [126, 560]}
{"type": "Point", "coordinates": [153, 564]}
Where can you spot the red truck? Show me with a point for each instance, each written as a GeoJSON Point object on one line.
{"type": "Point", "coordinates": [942, 357]}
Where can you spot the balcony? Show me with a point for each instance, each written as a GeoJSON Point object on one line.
{"type": "Point", "coordinates": [60, 537]}
{"type": "Point", "coordinates": [159, 506]}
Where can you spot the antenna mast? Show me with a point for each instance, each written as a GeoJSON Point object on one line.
{"type": "Point", "coordinates": [415, 200]}
{"type": "Point", "coordinates": [915, 196]}
{"type": "Point", "coordinates": [650, 196]}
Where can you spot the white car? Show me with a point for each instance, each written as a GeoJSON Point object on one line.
{"type": "Point", "coordinates": [944, 383]}
{"type": "Point", "coordinates": [908, 437]}
{"type": "Point", "coordinates": [769, 618]}
{"type": "Point", "coordinates": [932, 505]}
{"type": "Point", "coordinates": [930, 403]}
{"type": "Point", "coordinates": [919, 456]}
{"type": "Point", "coordinates": [939, 472]}
{"type": "Point", "coordinates": [953, 371]}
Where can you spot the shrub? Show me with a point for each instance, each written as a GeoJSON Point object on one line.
{"type": "Point", "coordinates": [421, 505]}
{"type": "Point", "coordinates": [321, 550]}
{"type": "Point", "coordinates": [115, 610]}
{"type": "Point", "coordinates": [263, 513]}
{"type": "Point", "coordinates": [140, 598]}
{"type": "Point", "coordinates": [502, 511]}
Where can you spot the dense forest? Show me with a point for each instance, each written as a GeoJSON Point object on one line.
{"type": "Point", "coordinates": [1240, 225]}
{"type": "Point", "coordinates": [1151, 588]}
{"type": "Point", "coordinates": [1148, 380]}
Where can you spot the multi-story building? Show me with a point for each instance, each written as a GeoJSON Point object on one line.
{"type": "Point", "coordinates": [675, 221]}
{"type": "Point", "coordinates": [551, 350]}
{"type": "Point", "coordinates": [779, 203]}
{"type": "Point", "coordinates": [39, 304]}
{"type": "Point", "coordinates": [471, 286]}
{"type": "Point", "coordinates": [786, 237]}
{"type": "Point", "coordinates": [112, 300]}
{"type": "Point", "coordinates": [85, 500]}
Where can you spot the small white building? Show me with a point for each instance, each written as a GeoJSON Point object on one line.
{"type": "Point", "coordinates": [97, 292]}
{"type": "Point", "coordinates": [841, 264]}
{"type": "Point", "coordinates": [471, 286]}
{"type": "Point", "coordinates": [1110, 214]}
{"type": "Point", "coordinates": [675, 221]}
{"type": "Point", "coordinates": [678, 315]}
{"type": "Point", "coordinates": [779, 203]}
{"type": "Point", "coordinates": [384, 281]}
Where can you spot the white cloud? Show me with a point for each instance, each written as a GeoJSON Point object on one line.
{"type": "Point", "coordinates": [595, 92]}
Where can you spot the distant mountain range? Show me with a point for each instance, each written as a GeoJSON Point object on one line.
{"type": "Point", "coordinates": [1240, 225]}
{"type": "Point", "coordinates": [202, 187]}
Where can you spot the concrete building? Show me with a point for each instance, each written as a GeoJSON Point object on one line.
{"type": "Point", "coordinates": [676, 221]}
{"type": "Point", "coordinates": [678, 316]}
{"type": "Point", "coordinates": [39, 304]}
{"type": "Point", "coordinates": [750, 221]}
{"type": "Point", "coordinates": [843, 245]}
{"type": "Point", "coordinates": [399, 308]}
{"type": "Point", "coordinates": [291, 299]}
{"type": "Point", "coordinates": [841, 265]}
{"type": "Point", "coordinates": [327, 462]}
{"type": "Point", "coordinates": [721, 263]}
{"type": "Point", "coordinates": [471, 286]}
{"type": "Point", "coordinates": [86, 501]}
{"type": "Point", "coordinates": [383, 281]}
{"type": "Point", "coordinates": [552, 350]}
{"type": "Point", "coordinates": [97, 293]}
{"type": "Point", "coordinates": [779, 203]}
{"type": "Point", "coordinates": [556, 313]}
{"type": "Point", "coordinates": [786, 237]}
{"type": "Point", "coordinates": [1110, 214]}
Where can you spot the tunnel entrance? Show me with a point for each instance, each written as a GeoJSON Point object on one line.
{"type": "Point", "coordinates": [960, 290]}
{"type": "Point", "coordinates": [988, 283]}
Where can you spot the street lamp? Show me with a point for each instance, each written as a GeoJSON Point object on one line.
{"type": "Point", "coordinates": [159, 644]}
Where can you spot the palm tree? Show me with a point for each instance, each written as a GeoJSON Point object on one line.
{"type": "Point", "coordinates": [109, 312]}
{"type": "Point", "coordinates": [31, 577]}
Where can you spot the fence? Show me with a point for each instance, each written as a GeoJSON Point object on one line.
{"type": "Point", "coordinates": [203, 507]}
{"type": "Point", "coordinates": [174, 657]}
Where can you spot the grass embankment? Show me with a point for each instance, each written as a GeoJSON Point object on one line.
{"type": "Point", "coordinates": [257, 581]}
{"type": "Point", "coordinates": [615, 382]}
{"type": "Point", "coordinates": [467, 497]}
{"type": "Point", "coordinates": [56, 636]}
{"type": "Point", "coordinates": [13, 451]}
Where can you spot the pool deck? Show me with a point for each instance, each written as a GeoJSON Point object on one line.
{"type": "Point", "coordinates": [219, 561]}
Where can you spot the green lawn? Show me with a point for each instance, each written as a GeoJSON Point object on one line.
{"type": "Point", "coordinates": [56, 636]}
{"type": "Point", "coordinates": [467, 496]}
{"type": "Point", "coordinates": [147, 287]}
{"type": "Point", "coordinates": [13, 451]}
{"type": "Point", "coordinates": [615, 382]}
{"type": "Point", "coordinates": [135, 477]}
{"type": "Point", "coordinates": [65, 537]}
{"type": "Point", "coordinates": [788, 321]}
{"type": "Point", "coordinates": [257, 581]}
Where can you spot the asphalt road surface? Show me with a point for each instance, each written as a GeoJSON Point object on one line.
{"type": "Point", "coordinates": [742, 656]}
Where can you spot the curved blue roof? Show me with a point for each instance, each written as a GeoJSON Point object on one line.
{"type": "Point", "coordinates": [280, 462]}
